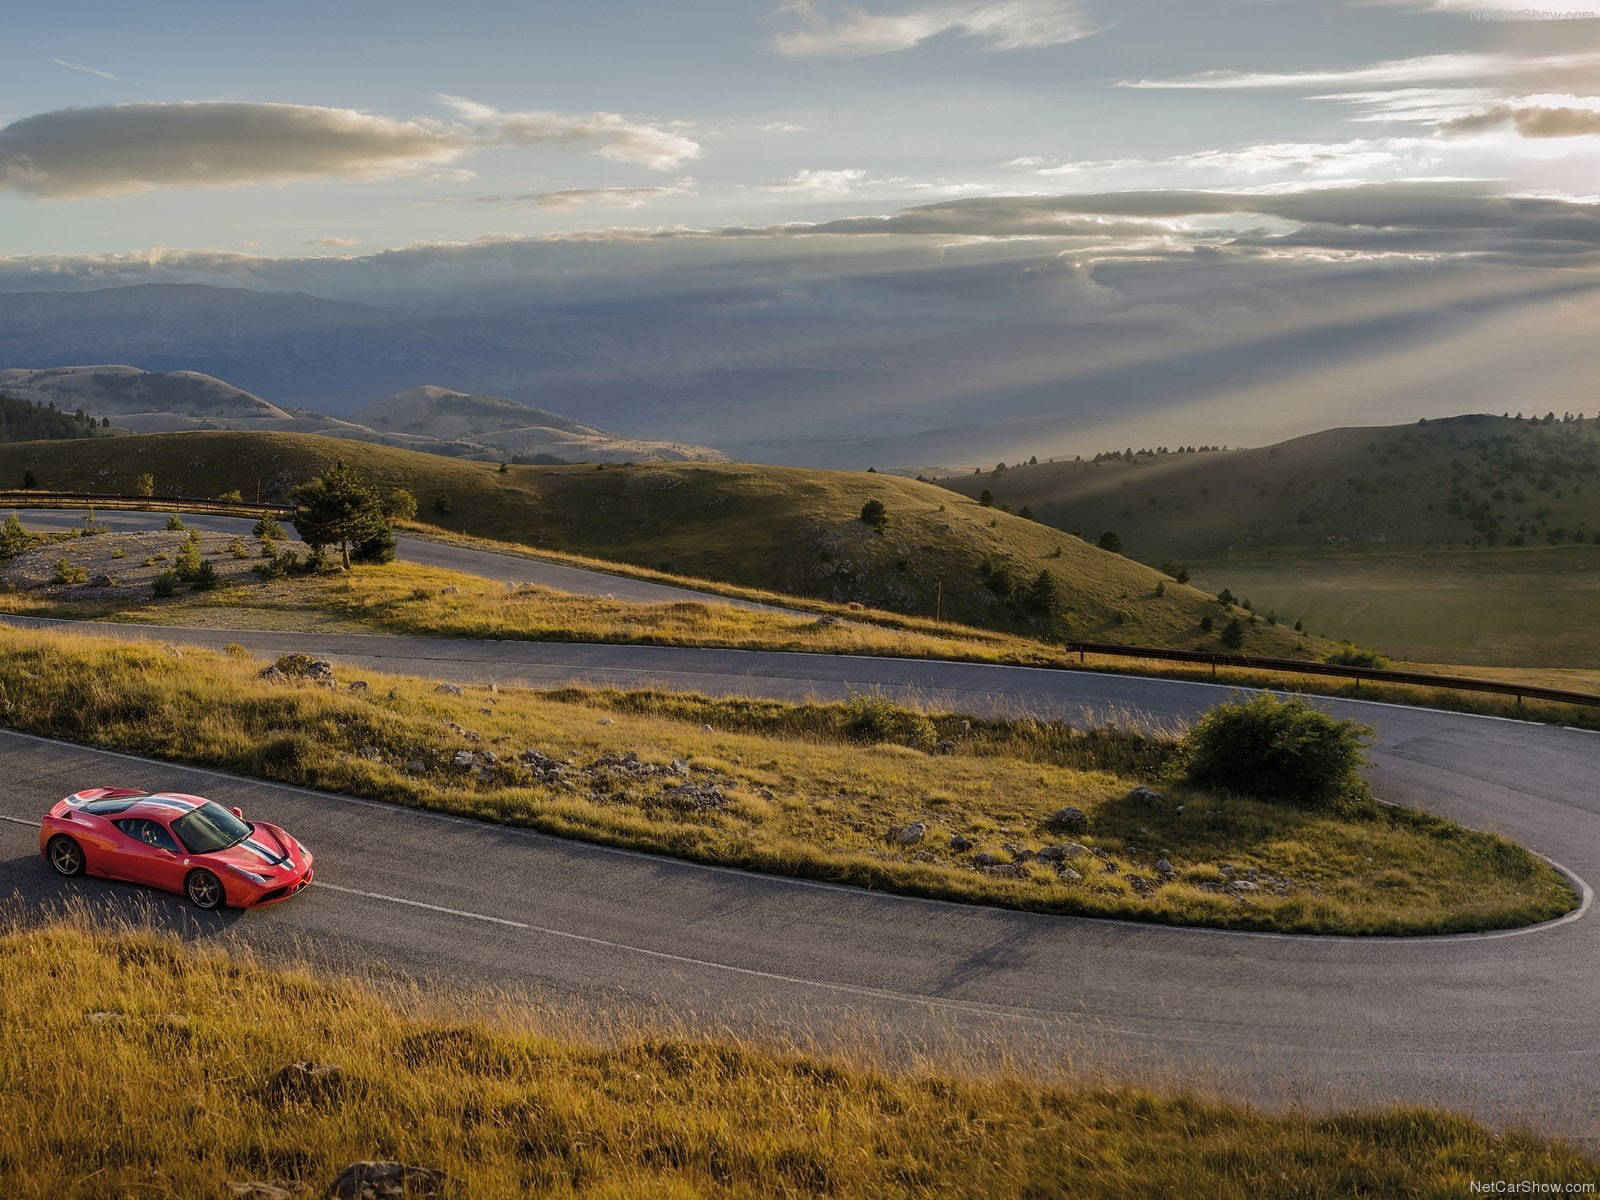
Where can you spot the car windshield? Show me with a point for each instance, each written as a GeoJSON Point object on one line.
{"type": "Point", "coordinates": [208, 828]}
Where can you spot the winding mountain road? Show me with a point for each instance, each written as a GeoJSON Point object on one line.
{"type": "Point", "coordinates": [1501, 1025]}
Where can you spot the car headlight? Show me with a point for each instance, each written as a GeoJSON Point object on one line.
{"type": "Point", "coordinates": [250, 875]}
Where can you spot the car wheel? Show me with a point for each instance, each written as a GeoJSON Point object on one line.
{"type": "Point", "coordinates": [65, 855]}
{"type": "Point", "coordinates": [204, 890]}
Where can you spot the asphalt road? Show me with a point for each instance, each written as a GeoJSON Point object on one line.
{"type": "Point", "coordinates": [1499, 1025]}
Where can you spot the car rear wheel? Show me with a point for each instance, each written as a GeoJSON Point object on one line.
{"type": "Point", "coordinates": [65, 855]}
{"type": "Point", "coordinates": [204, 890]}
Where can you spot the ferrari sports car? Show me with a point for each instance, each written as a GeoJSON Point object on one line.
{"type": "Point", "coordinates": [174, 842]}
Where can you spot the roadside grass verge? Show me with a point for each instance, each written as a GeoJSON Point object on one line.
{"type": "Point", "coordinates": [846, 793]}
{"type": "Point", "coordinates": [511, 1100]}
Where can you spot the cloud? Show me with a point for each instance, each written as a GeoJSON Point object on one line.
{"type": "Point", "coordinates": [124, 148]}
{"type": "Point", "coordinates": [602, 197]}
{"type": "Point", "coordinates": [334, 241]}
{"type": "Point", "coordinates": [1431, 68]}
{"type": "Point", "coordinates": [72, 66]}
{"type": "Point", "coordinates": [610, 135]}
{"type": "Point", "coordinates": [1295, 161]}
{"type": "Point", "coordinates": [998, 24]}
{"type": "Point", "coordinates": [1024, 160]}
{"type": "Point", "coordinates": [1510, 10]}
{"type": "Point", "coordinates": [818, 182]}
{"type": "Point", "coordinates": [1530, 121]}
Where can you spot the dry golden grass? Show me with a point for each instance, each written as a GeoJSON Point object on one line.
{"type": "Point", "coordinates": [143, 1067]}
{"type": "Point", "coordinates": [811, 791]}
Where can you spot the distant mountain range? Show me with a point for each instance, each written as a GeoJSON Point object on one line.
{"type": "Point", "coordinates": [947, 363]}
{"type": "Point", "coordinates": [429, 418]}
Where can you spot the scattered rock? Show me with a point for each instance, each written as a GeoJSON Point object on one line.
{"type": "Point", "coordinates": [1068, 820]}
{"type": "Point", "coordinates": [359, 685]}
{"type": "Point", "coordinates": [984, 859]}
{"type": "Point", "coordinates": [450, 591]}
{"type": "Point", "coordinates": [370, 753]}
{"type": "Point", "coordinates": [448, 689]}
{"type": "Point", "coordinates": [1008, 870]}
{"type": "Point", "coordinates": [387, 1181]}
{"type": "Point", "coordinates": [1141, 885]}
{"type": "Point", "coordinates": [300, 1081]}
{"type": "Point", "coordinates": [416, 767]}
{"type": "Point", "coordinates": [697, 796]}
{"type": "Point", "coordinates": [1075, 850]}
{"type": "Point", "coordinates": [261, 1189]}
{"type": "Point", "coordinates": [944, 746]}
{"type": "Point", "coordinates": [463, 760]}
{"type": "Point", "coordinates": [271, 675]}
{"type": "Point", "coordinates": [1069, 875]}
{"type": "Point", "coordinates": [1164, 868]}
{"type": "Point", "coordinates": [827, 620]}
{"type": "Point", "coordinates": [607, 721]}
{"type": "Point", "coordinates": [909, 835]}
{"type": "Point", "coordinates": [1018, 853]}
{"type": "Point", "coordinates": [960, 844]}
{"type": "Point", "coordinates": [1052, 854]}
{"type": "Point", "coordinates": [105, 1017]}
{"type": "Point", "coordinates": [1144, 795]}
{"type": "Point", "coordinates": [1245, 885]}
{"type": "Point", "coordinates": [1227, 871]}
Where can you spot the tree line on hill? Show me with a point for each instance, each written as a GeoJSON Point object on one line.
{"type": "Point", "coordinates": [24, 421]}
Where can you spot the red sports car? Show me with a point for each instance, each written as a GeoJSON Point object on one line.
{"type": "Point", "coordinates": [174, 842]}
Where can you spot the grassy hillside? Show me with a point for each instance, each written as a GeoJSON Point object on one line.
{"type": "Point", "coordinates": [515, 1101]}
{"type": "Point", "coordinates": [781, 528]}
{"type": "Point", "coordinates": [1471, 540]}
{"type": "Point", "coordinates": [1473, 482]}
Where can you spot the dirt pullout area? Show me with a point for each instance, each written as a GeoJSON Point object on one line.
{"type": "Point", "coordinates": [115, 564]}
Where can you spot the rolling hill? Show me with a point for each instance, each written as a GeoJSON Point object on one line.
{"type": "Point", "coordinates": [780, 528]}
{"type": "Point", "coordinates": [513, 428]}
{"type": "Point", "coordinates": [118, 391]}
{"type": "Point", "coordinates": [1472, 539]}
{"type": "Point", "coordinates": [1463, 483]}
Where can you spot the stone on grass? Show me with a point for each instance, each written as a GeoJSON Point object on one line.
{"type": "Point", "coordinates": [387, 1181]}
{"type": "Point", "coordinates": [303, 1081]}
{"type": "Point", "coordinates": [358, 685]}
{"type": "Point", "coordinates": [960, 844]}
{"type": "Point", "coordinates": [1068, 820]}
{"type": "Point", "coordinates": [1163, 867]}
{"type": "Point", "coordinates": [1069, 875]}
{"type": "Point", "coordinates": [909, 835]}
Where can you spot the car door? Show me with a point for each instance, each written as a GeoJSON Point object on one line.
{"type": "Point", "coordinates": [150, 854]}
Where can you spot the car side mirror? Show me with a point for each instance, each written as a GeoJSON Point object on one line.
{"type": "Point", "coordinates": [238, 812]}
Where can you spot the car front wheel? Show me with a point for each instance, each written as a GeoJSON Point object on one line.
{"type": "Point", "coordinates": [204, 890]}
{"type": "Point", "coordinates": [65, 855]}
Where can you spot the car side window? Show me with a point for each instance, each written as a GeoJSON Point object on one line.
{"type": "Point", "coordinates": [149, 832]}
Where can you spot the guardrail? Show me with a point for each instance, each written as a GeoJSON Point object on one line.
{"type": "Point", "coordinates": [115, 503]}
{"type": "Point", "coordinates": [1337, 670]}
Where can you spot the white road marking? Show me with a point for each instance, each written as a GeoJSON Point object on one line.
{"type": "Point", "coordinates": [685, 960]}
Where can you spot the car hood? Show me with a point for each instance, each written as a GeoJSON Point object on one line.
{"type": "Point", "coordinates": [267, 851]}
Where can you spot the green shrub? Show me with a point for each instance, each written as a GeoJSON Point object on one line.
{"type": "Point", "coordinates": [232, 497]}
{"type": "Point", "coordinates": [13, 538]}
{"type": "Point", "coordinates": [175, 524]}
{"type": "Point", "coordinates": [875, 514]}
{"type": "Point", "coordinates": [1351, 655]}
{"type": "Point", "coordinates": [69, 573]}
{"type": "Point", "coordinates": [873, 719]}
{"type": "Point", "coordinates": [164, 584]}
{"type": "Point", "coordinates": [188, 562]}
{"type": "Point", "coordinates": [237, 550]}
{"type": "Point", "coordinates": [1284, 751]}
{"type": "Point", "coordinates": [205, 577]}
{"type": "Point", "coordinates": [269, 529]}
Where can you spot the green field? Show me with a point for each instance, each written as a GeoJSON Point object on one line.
{"type": "Point", "coordinates": [1529, 607]}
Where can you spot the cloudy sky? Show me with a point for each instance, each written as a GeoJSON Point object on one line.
{"type": "Point", "coordinates": [1088, 159]}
